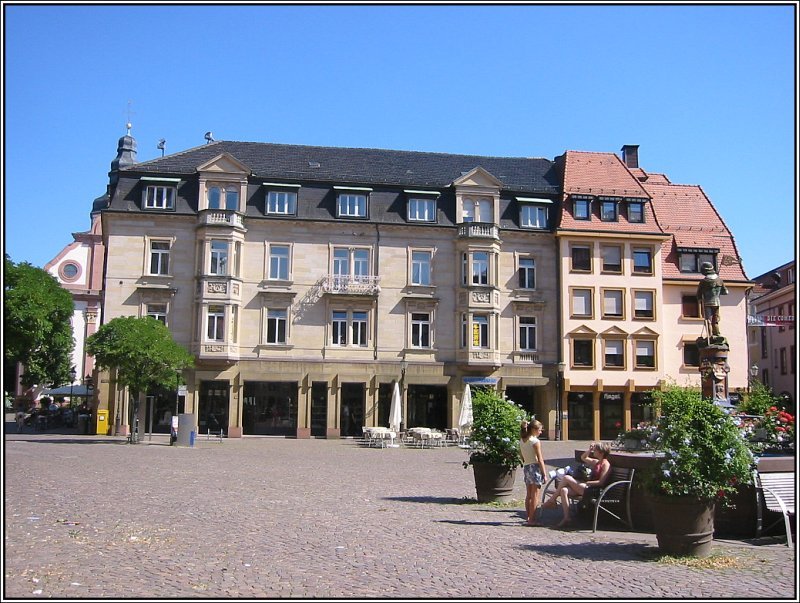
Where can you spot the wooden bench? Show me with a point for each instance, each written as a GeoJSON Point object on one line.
{"type": "Point", "coordinates": [776, 492]}
{"type": "Point", "coordinates": [615, 494]}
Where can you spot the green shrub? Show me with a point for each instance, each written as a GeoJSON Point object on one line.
{"type": "Point", "coordinates": [702, 451]}
{"type": "Point", "coordinates": [495, 430]}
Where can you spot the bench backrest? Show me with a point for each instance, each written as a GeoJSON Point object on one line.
{"type": "Point", "coordinates": [617, 474]}
{"type": "Point", "coordinates": [779, 484]}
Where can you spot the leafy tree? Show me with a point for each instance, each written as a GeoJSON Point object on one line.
{"type": "Point", "coordinates": [759, 400]}
{"type": "Point", "coordinates": [141, 350]}
{"type": "Point", "coordinates": [37, 329]}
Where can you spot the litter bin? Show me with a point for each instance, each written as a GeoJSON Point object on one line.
{"type": "Point", "coordinates": [102, 422]}
{"type": "Point", "coordinates": [187, 429]}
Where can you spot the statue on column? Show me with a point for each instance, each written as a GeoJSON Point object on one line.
{"type": "Point", "coordinates": [708, 291]}
{"type": "Point", "coordinates": [713, 347]}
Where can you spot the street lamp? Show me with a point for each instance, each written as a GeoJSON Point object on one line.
{"type": "Point", "coordinates": [753, 375]}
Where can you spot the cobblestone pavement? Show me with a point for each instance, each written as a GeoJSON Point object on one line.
{"type": "Point", "coordinates": [94, 517]}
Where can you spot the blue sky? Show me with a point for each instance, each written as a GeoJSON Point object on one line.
{"type": "Point", "coordinates": [708, 92]}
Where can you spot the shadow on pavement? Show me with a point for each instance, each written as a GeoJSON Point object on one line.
{"type": "Point", "coordinates": [596, 550]}
{"type": "Point", "coordinates": [439, 500]}
{"type": "Point", "coordinates": [73, 440]}
{"type": "Point", "coordinates": [467, 522]}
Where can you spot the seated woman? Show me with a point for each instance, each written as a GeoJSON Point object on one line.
{"type": "Point", "coordinates": [595, 457]}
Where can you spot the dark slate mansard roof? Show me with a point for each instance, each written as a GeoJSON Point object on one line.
{"type": "Point", "coordinates": [360, 166]}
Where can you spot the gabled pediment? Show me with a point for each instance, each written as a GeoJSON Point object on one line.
{"type": "Point", "coordinates": [582, 330]}
{"type": "Point", "coordinates": [614, 332]}
{"type": "Point", "coordinates": [478, 177]}
{"type": "Point", "coordinates": [645, 332]}
{"type": "Point", "coordinates": [224, 163]}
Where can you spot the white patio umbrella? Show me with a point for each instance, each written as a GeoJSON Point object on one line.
{"type": "Point", "coordinates": [465, 417]}
{"type": "Point", "coordinates": [396, 409]}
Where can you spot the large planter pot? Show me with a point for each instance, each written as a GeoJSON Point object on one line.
{"type": "Point", "coordinates": [493, 483]}
{"type": "Point", "coordinates": [684, 526]}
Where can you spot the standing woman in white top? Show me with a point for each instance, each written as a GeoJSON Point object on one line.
{"type": "Point", "coordinates": [533, 467]}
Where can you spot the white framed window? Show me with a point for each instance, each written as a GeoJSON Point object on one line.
{"type": "Point", "coordinates": [157, 311]}
{"type": "Point", "coordinates": [475, 268]}
{"type": "Point", "coordinates": [282, 203]}
{"type": "Point", "coordinates": [350, 263]}
{"type": "Point", "coordinates": [277, 323]}
{"type": "Point", "coordinates": [220, 251]}
{"type": "Point", "coordinates": [614, 354]}
{"type": "Point", "coordinates": [421, 210]}
{"type": "Point", "coordinates": [613, 303]}
{"type": "Point", "coordinates": [159, 257]}
{"type": "Point", "coordinates": [581, 303]}
{"type": "Point", "coordinates": [350, 205]}
{"type": "Point", "coordinates": [339, 328]}
{"type": "Point", "coordinates": [359, 327]}
{"type": "Point", "coordinates": [612, 258]}
{"type": "Point", "coordinates": [279, 262]}
{"type": "Point", "coordinates": [476, 210]}
{"type": "Point", "coordinates": [215, 323]}
{"type": "Point", "coordinates": [421, 268]}
{"type": "Point", "coordinates": [644, 304]}
{"type": "Point", "coordinates": [533, 216]}
{"type": "Point", "coordinates": [527, 273]}
{"type": "Point", "coordinates": [479, 330]}
{"type": "Point", "coordinates": [159, 197]}
{"type": "Point", "coordinates": [527, 333]}
{"type": "Point", "coordinates": [645, 354]}
{"type": "Point", "coordinates": [223, 196]}
{"type": "Point", "coordinates": [349, 322]}
{"type": "Point", "coordinates": [420, 330]}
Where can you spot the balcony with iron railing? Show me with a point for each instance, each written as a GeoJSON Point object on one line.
{"type": "Point", "coordinates": [478, 230]}
{"type": "Point", "coordinates": [337, 284]}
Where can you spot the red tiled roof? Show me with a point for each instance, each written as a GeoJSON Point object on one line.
{"type": "Point", "coordinates": [602, 174]}
{"type": "Point", "coordinates": [685, 211]}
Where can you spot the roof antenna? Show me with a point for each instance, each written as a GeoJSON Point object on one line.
{"type": "Point", "coordinates": [162, 145]}
{"type": "Point", "coordinates": [209, 138]}
{"type": "Point", "coordinates": [128, 124]}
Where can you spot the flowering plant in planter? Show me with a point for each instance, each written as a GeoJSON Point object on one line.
{"type": "Point", "coordinates": [644, 434]}
{"type": "Point", "coordinates": [773, 431]}
{"type": "Point", "coordinates": [495, 430]}
{"type": "Point", "coordinates": [701, 452]}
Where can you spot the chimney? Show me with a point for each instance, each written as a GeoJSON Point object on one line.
{"type": "Point", "coordinates": [630, 155]}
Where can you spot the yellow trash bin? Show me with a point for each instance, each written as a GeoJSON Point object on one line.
{"type": "Point", "coordinates": [102, 422]}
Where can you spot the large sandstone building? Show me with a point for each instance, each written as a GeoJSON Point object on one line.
{"type": "Point", "coordinates": [307, 280]}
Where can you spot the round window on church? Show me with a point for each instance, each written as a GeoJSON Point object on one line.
{"type": "Point", "coordinates": [70, 271]}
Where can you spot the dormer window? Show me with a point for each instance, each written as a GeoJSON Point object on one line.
{"type": "Point", "coordinates": [690, 260]}
{"type": "Point", "coordinates": [282, 203]}
{"type": "Point", "coordinates": [421, 210]}
{"type": "Point", "coordinates": [159, 193]}
{"type": "Point", "coordinates": [351, 202]}
{"type": "Point", "coordinates": [533, 213]}
{"type": "Point", "coordinates": [635, 211]}
{"type": "Point", "coordinates": [608, 209]}
{"type": "Point", "coordinates": [476, 210]}
{"type": "Point", "coordinates": [582, 208]}
{"type": "Point", "coordinates": [223, 196]}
